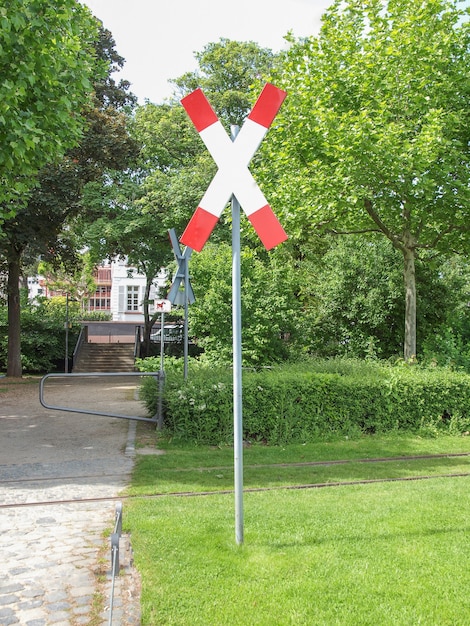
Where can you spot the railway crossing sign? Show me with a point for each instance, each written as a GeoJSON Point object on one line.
{"type": "Point", "coordinates": [180, 278]}
{"type": "Point", "coordinates": [233, 176]}
{"type": "Point", "coordinates": [234, 180]}
{"type": "Point", "coordinates": [178, 296]}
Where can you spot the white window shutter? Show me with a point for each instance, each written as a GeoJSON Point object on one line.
{"type": "Point", "coordinates": [122, 299]}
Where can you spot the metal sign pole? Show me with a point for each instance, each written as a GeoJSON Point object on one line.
{"type": "Point", "coordinates": [161, 377]}
{"type": "Point", "coordinates": [185, 328]}
{"type": "Point", "coordinates": [66, 364]}
{"type": "Point", "coordinates": [162, 340]}
{"type": "Point", "coordinates": [181, 276]}
{"type": "Point", "coordinates": [237, 363]}
{"type": "Point", "coordinates": [234, 180]}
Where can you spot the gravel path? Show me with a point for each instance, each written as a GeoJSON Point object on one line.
{"type": "Point", "coordinates": [54, 558]}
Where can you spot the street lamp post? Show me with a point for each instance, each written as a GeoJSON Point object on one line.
{"type": "Point", "coordinates": [66, 364]}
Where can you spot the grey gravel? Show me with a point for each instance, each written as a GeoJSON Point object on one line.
{"type": "Point", "coordinates": [55, 557]}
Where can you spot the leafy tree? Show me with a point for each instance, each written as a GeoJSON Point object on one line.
{"type": "Point", "coordinates": [374, 135]}
{"type": "Point", "coordinates": [355, 303]}
{"type": "Point", "coordinates": [127, 230]}
{"type": "Point", "coordinates": [45, 226]}
{"type": "Point", "coordinates": [174, 167]}
{"type": "Point", "coordinates": [47, 63]}
{"type": "Point", "coordinates": [158, 194]}
{"type": "Point", "coordinates": [228, 72]}
{"type": "Point", "coordinates": [77, 281]}
{"type": "Point", "coordinates": [43, 345]}
{"type": "Point", "coordinates": [269, 308]}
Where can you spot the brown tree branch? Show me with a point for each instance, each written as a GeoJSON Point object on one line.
{"type": "Point", "coordinates": [354, 232]}
{"type": "Point", "coordinates": [382, 227]}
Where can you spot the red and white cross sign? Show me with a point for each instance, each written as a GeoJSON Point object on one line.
{"type": "Point", "coordinates": [233, 175]}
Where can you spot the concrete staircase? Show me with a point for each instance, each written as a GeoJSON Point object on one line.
{"type": "Point", "coordinates": [105, 357]}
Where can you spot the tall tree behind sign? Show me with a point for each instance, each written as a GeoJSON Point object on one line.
{"type": "Point", "coordinates": [45, 225]}
{"type": "Point", "coordinates": [375, 134]}
{"type": "Point", "coordinates": [46, 70]}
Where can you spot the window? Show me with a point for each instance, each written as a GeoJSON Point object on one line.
{"type": "Point", "coordinates": [132, 297]}
{"type": "Point", "coordinates": [101, 300]}
{"type": "Point", "coordinates": [103, 275]}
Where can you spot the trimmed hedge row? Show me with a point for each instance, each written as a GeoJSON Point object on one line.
{"type": "Point", "coordinates": [292, 404]}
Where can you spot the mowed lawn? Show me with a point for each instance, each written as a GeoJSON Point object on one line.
{"type": "Point", "coordinates": [375, 553]}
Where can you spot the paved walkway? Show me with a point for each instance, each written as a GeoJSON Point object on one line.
{"type": "Point", "coordinates": [55, 559]}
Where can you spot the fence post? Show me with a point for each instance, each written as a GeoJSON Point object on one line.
{"type": "Point", "coordinates": [116, 535]}
{"type": "Point", "coordinates": [118, 519]}
{"type": "Point", "coordinates": [114, 554]}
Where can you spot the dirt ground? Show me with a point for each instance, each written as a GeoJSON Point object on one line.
{"type": "Point", "coordinates": [30, 433]}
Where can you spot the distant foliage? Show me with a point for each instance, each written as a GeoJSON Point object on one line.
{"type": "Point", "coordinates": [42, 334]}
{"type": "Point", "coordinates": [449, 342]}
{"type": "Point", "coordinates": [270, 311]}
{"type": "Point", "coordinates": [95, 316]}
{"type": "Point", "coordinates": [356, 308]}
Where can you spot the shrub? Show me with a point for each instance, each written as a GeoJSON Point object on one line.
{"type": "Point", "coordinates": [316, 400]}
{"type": "Point", "coordinates": [42, 334]}
{"type": "Point", "coordinates": [95, 316]}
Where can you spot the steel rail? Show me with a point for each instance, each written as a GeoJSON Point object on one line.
{"type": "Point", "coordinates": [422, 457]}
{"type": "Point", "coordinates": [187, 494]}
{"type": "Point", "coordinates": [327, 463]}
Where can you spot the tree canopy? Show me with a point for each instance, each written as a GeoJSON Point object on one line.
{"type": "Point", "coordinates": [47, 64]}
{"type": "Point", "coordinates": [374, 135]}
{"type": "Point", "coordinates": [45, 224]}
{"type": "Point", "coordinates": [174, 168]}
{"type": "Point", "coordinates": [228, 70]}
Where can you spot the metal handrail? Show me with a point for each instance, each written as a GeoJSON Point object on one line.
{"type": "Point", "coordinates": [116, 535]}
{"type": "Point", "coordinates": [137, 341]}
{"type": "Point", "coordinates": [82, 338]}
{"type": "Point", "coordinates": [157, 419]}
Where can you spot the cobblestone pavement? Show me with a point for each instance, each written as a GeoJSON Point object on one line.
{"type": "Point", "coordinates": [55, 558]}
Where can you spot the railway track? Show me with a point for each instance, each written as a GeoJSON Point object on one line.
{"type": "Point", "coordinates": [214, 492]}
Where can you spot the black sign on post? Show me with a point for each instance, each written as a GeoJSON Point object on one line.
{"type": "Point", "coordinates": [182, 273]}
{"type": "Point", "coordinates": [181, 279]}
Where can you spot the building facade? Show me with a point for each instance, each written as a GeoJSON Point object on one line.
{"type": "Point", "coordinates": [120, 291]}
{"type": "Point", "coordinates": [128, 292]}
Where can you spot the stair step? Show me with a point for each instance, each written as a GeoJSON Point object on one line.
{"type": "Point", "coordinates": [95, 357]}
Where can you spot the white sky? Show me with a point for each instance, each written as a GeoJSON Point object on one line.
{"type": "Point", "coordinates": [158, 38]}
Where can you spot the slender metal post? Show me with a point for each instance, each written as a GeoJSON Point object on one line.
{"type": "Point", "coordinates": [66, 363]}
{"type": "Point", "coordinates": [186, 301]}
{"type": "Point", "coordinates": [237, 363]}
{"type": "Point", "coordinates": [161, 373]}
{"type": "Point", "coordinates": [162, 343]}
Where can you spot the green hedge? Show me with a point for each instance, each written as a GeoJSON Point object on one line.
{"type": "Point", "coordinates": [316, 401]}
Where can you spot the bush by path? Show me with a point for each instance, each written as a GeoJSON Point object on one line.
{"type": "Point", "coordinates": [311, 401]}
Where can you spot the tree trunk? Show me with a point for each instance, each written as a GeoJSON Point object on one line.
{"type": "Point", "coordinates": [410, 304]}
{"type": "Point", "coordinates": [146, 340]}
{"type": "Point", "coordinates": [14, 368]}
{"type": "Point", "coordinates": [148, 322]}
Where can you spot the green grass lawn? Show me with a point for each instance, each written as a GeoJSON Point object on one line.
{"type": "Point", "coordinates": [378, 553]}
